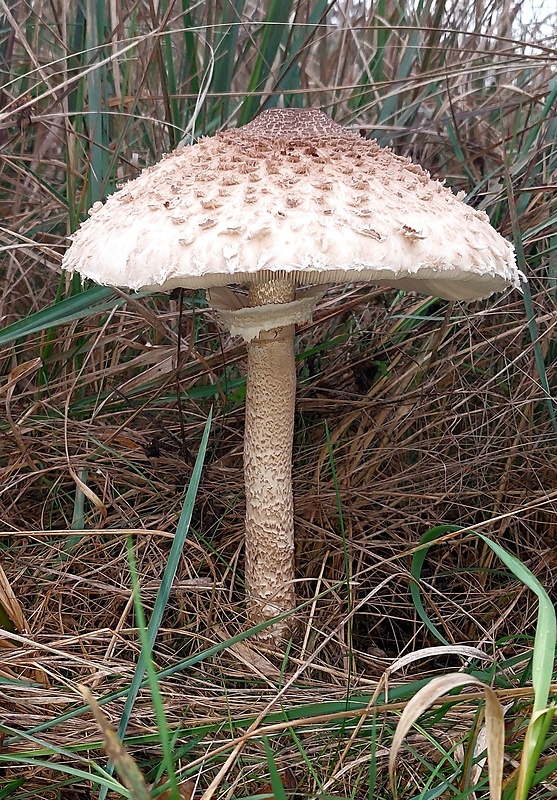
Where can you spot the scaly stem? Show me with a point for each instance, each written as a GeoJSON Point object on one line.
{"type": "Point", "coordinates": [270, 402]}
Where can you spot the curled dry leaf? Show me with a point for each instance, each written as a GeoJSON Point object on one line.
{"type": "Point", "coordinates": [494, 724]}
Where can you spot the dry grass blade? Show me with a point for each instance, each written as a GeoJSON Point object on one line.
{"type": "Point", "coordinates": [494, 722]}
{"type": "Point", "coordinates": [127, 769]}
{"type": "Point", "coordinates": [17, 374]}
{"type": "Point", "coordinates": [10, 605]}
{"type": "Point", "coordinates": [462, 650]}
{"type": "Point", "coordinates": [252, 659]}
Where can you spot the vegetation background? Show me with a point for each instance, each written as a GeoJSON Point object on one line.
{"type": "Point", "coordinates": [414, 415]}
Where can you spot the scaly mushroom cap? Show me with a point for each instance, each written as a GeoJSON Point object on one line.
{"type": "Point", "coordinates": [291, 194]}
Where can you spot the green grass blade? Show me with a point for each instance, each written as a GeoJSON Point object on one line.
{"type": "Point", "coordinates": [11, 787]}
{"type": "Point", "coordinates": [546, 112]}
{"type": "Point", "coordinates": [108, 783]}
{"type": "Point", "coordinates": [307, 759]}
{"type": "Point", "coordinates": [534, 742]}
{"type": "Point", "coordinates": [274, 28]}
{"type": "Point", "coordinates": [164, 589]}
{"type": "Point", "coordinates": [126, 766]}
{"type": "Point", "coordinates": [546, 628]}
{"type": "Point", "coordinates": [226, 50]}
{"type": "Point", "coordinates": [545, 641]}
{"type": "Point", "coordinates": [416, 566]}
{"type": "Point", "coordinates": [92, 301]}
{"type": "Point", "coordinates": [548, 768]}
{"type": "Point", "coordinates": [156, 697]}
{"type": "Point", "coordinates": [527, 297]}
{"type": "Point", "coordinates": [276, 783]}
{"type": "Point", "coordinates": [372, 773]}
{"type": "Point", "coordinates": [97, 104]}
{"type": "Point", "coordinates": [303, 711]}
{"type": "Point", "coordinates": [168, 577]}
{"type": "Point", "coordinates": [290, 70]}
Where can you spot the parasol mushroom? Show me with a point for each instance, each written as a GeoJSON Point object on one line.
{"type": "Point", "coordinates": [289, 200]}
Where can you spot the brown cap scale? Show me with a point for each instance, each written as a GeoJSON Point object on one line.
{"type": "Point", "coordinates": [291, 199]}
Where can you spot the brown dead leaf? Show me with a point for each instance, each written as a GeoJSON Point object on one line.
{"type": "Point", "coordinates": [185, 790]}
{"type": "Point", "coordinates": [494, 724]}
{"type": "Point", "coordinates": [288, 780]}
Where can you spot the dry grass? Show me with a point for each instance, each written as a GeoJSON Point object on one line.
{"type": "Point", "coordinates": [454, 432]}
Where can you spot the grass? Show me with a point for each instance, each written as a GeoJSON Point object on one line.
{"type": "Point", "coordinates": [414, 416]}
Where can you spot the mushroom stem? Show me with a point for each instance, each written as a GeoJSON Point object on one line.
{"type": "Point", "coordinates": [270, 402]}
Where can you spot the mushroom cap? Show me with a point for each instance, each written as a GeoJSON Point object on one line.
{"type": "Point", "coordinates": [291, 195]}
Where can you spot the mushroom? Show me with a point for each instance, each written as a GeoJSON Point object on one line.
{"type": "Point", "coordinates": [289, 201]}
